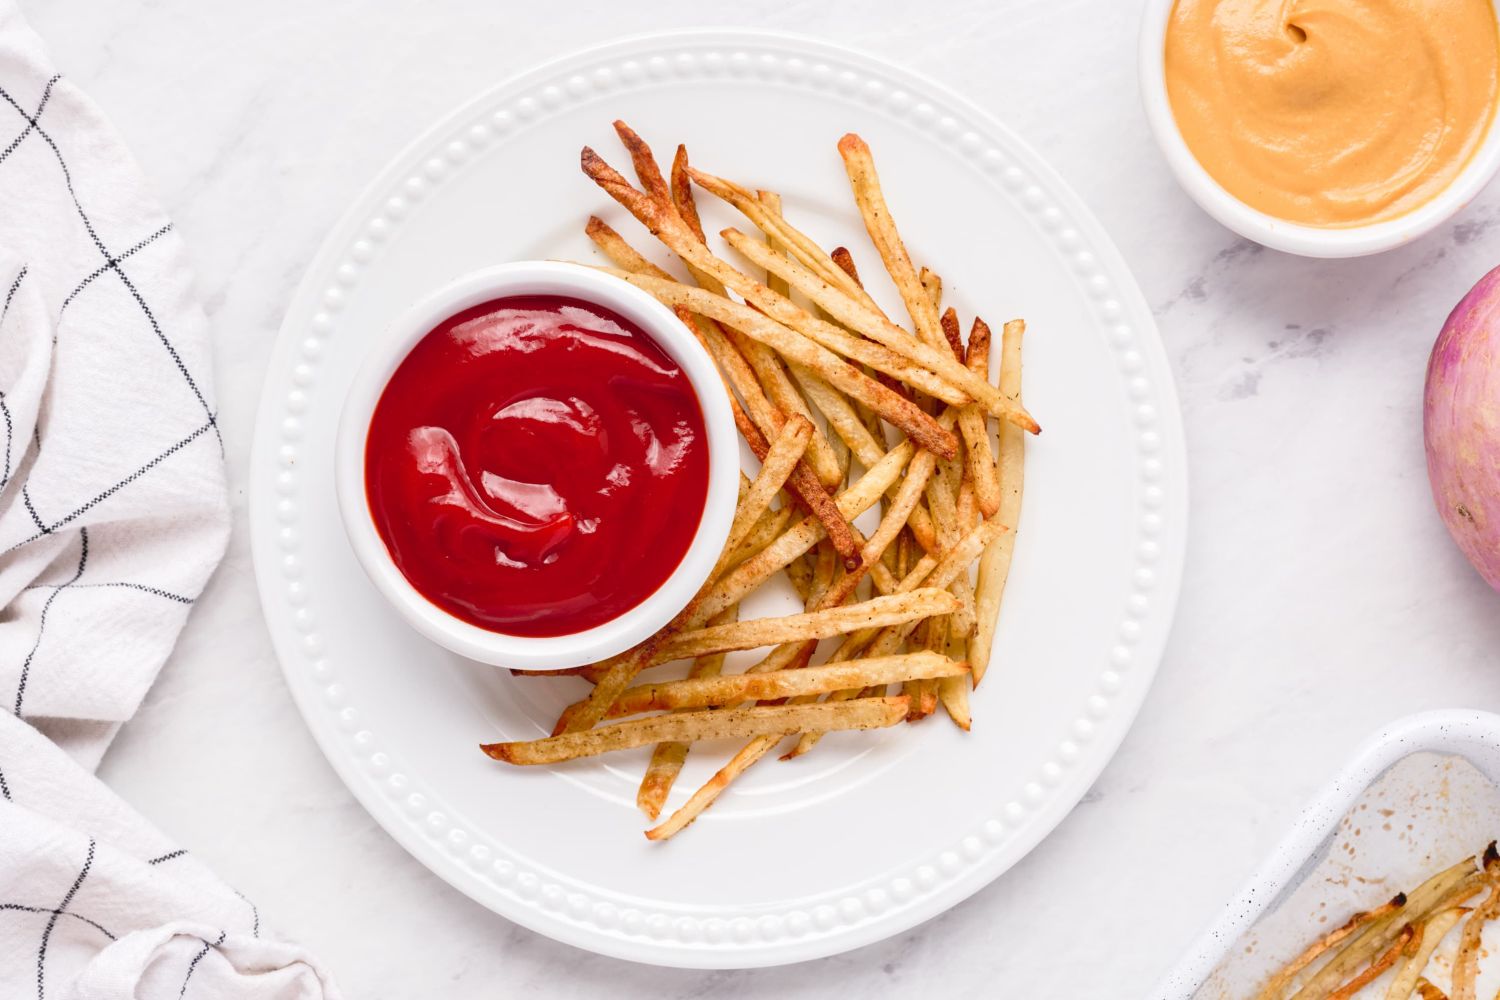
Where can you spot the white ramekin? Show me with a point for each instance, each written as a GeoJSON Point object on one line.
{"type": "Point", "coordinates": [1309, 241]}
{"type": "Point", "coordinates": [390, 348]}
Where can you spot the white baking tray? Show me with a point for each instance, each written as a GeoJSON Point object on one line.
{"type": "Point", "coordinates": [1418, 796]}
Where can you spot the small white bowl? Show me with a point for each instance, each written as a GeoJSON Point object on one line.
{"type": "Point", "coordinates": [1279, 234]}
{"type": "Point", "coordinates": [620, 633]}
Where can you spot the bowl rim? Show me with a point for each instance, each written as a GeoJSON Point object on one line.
{"type": "Point", "coordinates": [1267, 230]}
{"type": "Point", "coordinates": [392, 345]}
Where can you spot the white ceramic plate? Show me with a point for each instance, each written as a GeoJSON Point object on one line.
{"type": "Point", "coordinates": [872, 833]}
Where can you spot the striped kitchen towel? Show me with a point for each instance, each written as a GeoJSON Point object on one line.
{"type": "Point", "coordinates": [113, 515]}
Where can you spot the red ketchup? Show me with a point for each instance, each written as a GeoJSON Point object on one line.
{"type": "Point", "coordinates": [537, 465]}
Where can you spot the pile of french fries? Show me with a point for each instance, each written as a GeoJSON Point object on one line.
{"type": "Point", "coordinates": [1401, 936]}
{"type": "Point", "coordinates": [912, 420]}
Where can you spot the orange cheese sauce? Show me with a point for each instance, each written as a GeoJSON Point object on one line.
{"type": "Point", "coordinates": [1333, 112]}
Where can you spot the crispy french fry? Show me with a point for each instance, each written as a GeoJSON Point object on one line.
{"type": "Point", "coordinates": [833, 369]}
{"type": "Point", "coordinates": [886, 611]}
{"type": "Point", "coordinates": [762, 533]}
{"type": "Point", "coordinates": [619, 251]}
{"type": "Point", "coordinates": [721, 690]}
{"type": "Point", "coordinates": [781, 459]}
{"type": "Point", "coordinates": [863, 179]}
{"type": "Point", "coordinates": [1447, 888]}
{"type": "Point", "coordinates": [932, 286]}
{"type": "Point", "coordinates": [948, 322]}
{"type": "Point", "coordinates": [666, 225]}
{"type": "Point", "coordinates": [722, 344]}
{"type": "Point", "coordinates": [854, 501]}
{"type": "Point", "coordinates": [715, 786]}
{"type": "Point", "coordinates": [924, 694]}
{"type": "Point", "coordinates": [953, 692]}
{"type": "Point", "coordinates": [762, 360]}
{"type": "Point", "coordinates": [939, 490]}
{"type": "Point", "coordinates": [1431, 992]}
{"type": "Point", "coordinates": [804, 484]}
{"type": "Point", "coordinates": [587, 713]}
{"type": "Point", "coordinates": [973, 424]}
{"type": "Point", "coordinates": [1434, 929]}
{"type": "Point", "coordinates": [1376, 968]}
{"type": "Point", "coordinates": [935, 574]}
{"type": "Point", "coordinates": [774, 226]}
{"type": "Point", "coordinates": [590, 672]}
{"type": "Point", "coordinates": [1466, 964]}
{"type": "Point", "coordinates": [994, 566]}
{"type": "Point", "coordinates": [1277, 984]}
{"type": "Point", "coordinates": [937, 358]}
{"type": "Point", "coordinates": [772, 202]}
{"type": "Point", "coordinates": [667, 758]}
{"type": "Point", "coordinates": [845, 261]}
{"type": "Point", "coordinates": [681, 727]}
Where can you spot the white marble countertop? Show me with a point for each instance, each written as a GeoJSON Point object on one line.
{"type": "Point", "coordinates": [1322, 596]}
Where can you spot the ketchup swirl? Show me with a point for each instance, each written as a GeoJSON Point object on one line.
{"type": "Point", "coordinates": [537, 465]}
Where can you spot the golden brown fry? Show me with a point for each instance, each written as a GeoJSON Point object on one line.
{"type": "Point", "coordinates": [924, 692]}
{"type": "Point", "coordinates": [1447, 888]}
{"type": "Point", "coordinates": [953, 563]}
{"type": "Point", "coordinates": [801, 247]}
{"type": "Point", "coordinates": [973, 424]}
{"type": "Point", "coordinates": [1278, 983]}
{"type": "Point", "coordinates": [951, 332]}
{"type": "Point", "coordinates": [724, 345]}
{"type": "Point", "coordinates": [898, 411]}
{"type": "Point", "coordinates": [772, 202]}
{"type": "Point", "coordinates": [682, 194]}
{"type": "Point", "coordinates": [1434, 929]}
{"type": "Point", "coordinates": [938, 359]}
{"type": "Point", "coordinates": [848, 424]}
{"type": "Point", "coordinates": [886, 611]}
{"type": "Point", "coordinates": [665, 224]}
{"type": "Point", "coordinates": [707, 692]}
{"type": "Point", "coordinates": [641, 158]}
{"type": "Point", "coordinates": [667, 759]}
{"type": "Point", "coordinates": [968, 511]}
{"type": "Point", "coordinates": [860, 166]}
{"type": "Point", "coordinates": [953, 692]}
{"type": "Point", "coordinates": [715, 786]}
{"type": "Point", "coordinates": [932, 285]}
{"type": "Point", "coordinates": [858, 640]}
{"type": "Point", "coordinates": [1377, 968]}
{"type": "Point", "coordinates": [934, 574]}
{"type": "Point", "coordinates": [1466, 963]}
{"type": "Point", "coordinates": [780, 462]}
{"type": "Point", "coordinates": [619, 251]}
{"type": "Point", "coordinates": [678, 198]}
{"type": "Point", "coordinates": [1431, 992]}
{"type": "Point", "coordinates": [805, 486]}
{"type": "Point", "coordinates": [994, 566]}
{"type": "Point", "coordinates": [805, 534]}
{"type": "Point", "coordinates": [762, 533]}
{"type": "Point", "coordinates": [587, 713]}
{"type": "Point", "coordinates": [591, 672]}
{"type": "Point", "coordinates": [679, 727]}
{"type": "Point", "coordinates": [845, 261]}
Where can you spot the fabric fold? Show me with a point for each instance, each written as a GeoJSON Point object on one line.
{"type": "Point", "coordinates": [113, 515]}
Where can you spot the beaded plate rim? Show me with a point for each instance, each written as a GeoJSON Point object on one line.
{"type": "Point", "coordinates": [681, 935]}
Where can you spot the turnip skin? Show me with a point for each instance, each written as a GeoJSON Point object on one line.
{"type": "Point", "coordinates": [1461, 425]}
